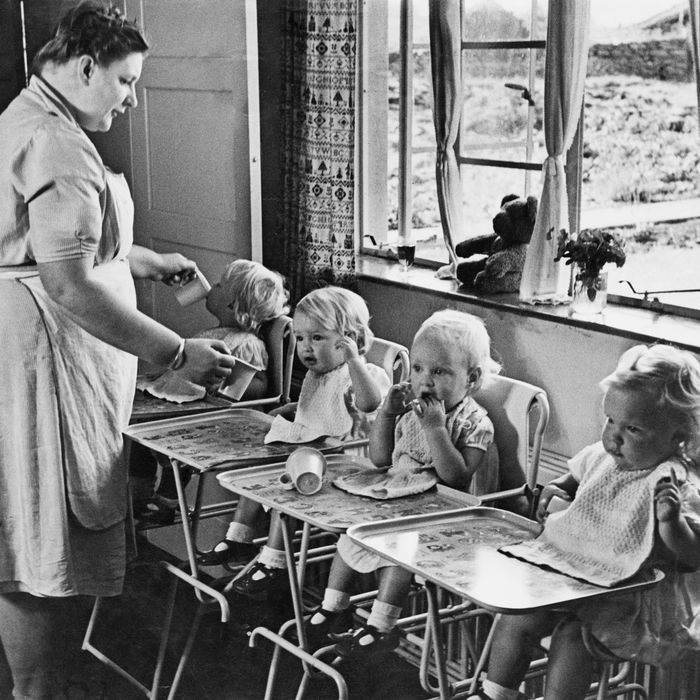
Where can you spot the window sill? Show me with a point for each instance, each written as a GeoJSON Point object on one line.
{"type": "Point", "coordinates": [637, 324]}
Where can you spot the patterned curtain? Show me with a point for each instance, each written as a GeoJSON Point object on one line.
{"type": "Point", "coordinates": [319, 132]}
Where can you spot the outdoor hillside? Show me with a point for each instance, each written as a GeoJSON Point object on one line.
{"type": "Point", "coordinates": [640, 145]}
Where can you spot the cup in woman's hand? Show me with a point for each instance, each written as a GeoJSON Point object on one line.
{"type": "Point", "coordinates": [304, 471]}
{"type": "Point", "coordinates": [238, 380]}
{"type": "Point", "coordinates": [194, 290]}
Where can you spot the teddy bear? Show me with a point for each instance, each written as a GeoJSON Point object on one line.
{"type": "Point", "coordinates": [499, 268]}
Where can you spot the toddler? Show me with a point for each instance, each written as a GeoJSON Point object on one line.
{"type": "Point", "coordinates": [430, 423]}
{"type": "Point", "coordinates": [246, 296]}
{"type": "Point", "coordinates": [339, 394]}
{"type": "Point", "coordinates": [634, 504]}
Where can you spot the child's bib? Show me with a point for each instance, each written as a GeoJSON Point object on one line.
{"type": "Point", "coordinates": [607, 533]}
{"type": "Point", "coordinates": [321, 409]}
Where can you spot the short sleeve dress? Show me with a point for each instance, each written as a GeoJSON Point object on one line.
{"type": "Point", "coordinates": [66, 395]}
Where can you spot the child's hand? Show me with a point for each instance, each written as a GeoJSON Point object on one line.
{"type": "Point", "coordinates": [349, 347]}
{"type": "Point", "coordinates": [548, 492]}
{"type": "Point", "coordinates": [667, 497]}
{"type": "Point", "coordinates": [398, 399]}
{"type": "Point", "coordinates": [430, 412]}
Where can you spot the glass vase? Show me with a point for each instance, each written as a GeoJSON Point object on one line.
{"type": "Point", "coordinates": [590, 293]}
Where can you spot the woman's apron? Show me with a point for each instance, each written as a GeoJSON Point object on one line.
{"type": "Point", "coordinates": [66, 398]}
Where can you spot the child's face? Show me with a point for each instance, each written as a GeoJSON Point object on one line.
{"type": "Point", "coordinates": [318, 347]}
{"type": "Point", "coordinates": [439, 370]}
{"type": "Point", "coordinates": [636, 433]}
{"type": "Point", "coordinates": [217, 304]}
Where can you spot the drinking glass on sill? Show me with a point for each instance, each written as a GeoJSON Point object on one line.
{"type": "Point", "coordinates": [406, 255]}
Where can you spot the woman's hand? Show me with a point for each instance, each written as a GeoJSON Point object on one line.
{"type": "Point", "coordinates": [170, 268]}
{"type": "Point", "coordinates": [667, 497]}
{"type": "Point", "coordinates": [207, 362]}
{"type": "Point", "coordinates": [548, 492]}
{"type": "Point", "coordinates": [175, 269]}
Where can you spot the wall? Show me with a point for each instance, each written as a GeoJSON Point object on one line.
{"type": "Point", "coordinates": [565, 360]}
{"type": "Point", "coordinates": [667, 59]}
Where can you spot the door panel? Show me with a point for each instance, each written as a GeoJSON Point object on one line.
{"type": "Point", "coordinates": [190, 152]}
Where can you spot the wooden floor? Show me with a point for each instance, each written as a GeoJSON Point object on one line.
{"type": "Point", "coordinates": [222, 665]}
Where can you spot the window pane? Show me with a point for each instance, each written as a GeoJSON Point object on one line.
{"type": "Point", "coordinates": [483, 188]}
{"type": "Point", "coordinates": [641, 155]}
{"type": "Point", "coordinates": [501, 20]}
{"type": "Point", "coordinates": [495, 115]}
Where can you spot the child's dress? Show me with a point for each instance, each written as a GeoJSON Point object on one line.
{"type": "Point", "coordinates": [171, 386]}
{"type": "Point", "coordinates": [327, 407]}
{"type": "Point", "coordinates": [607, 535]}
{"type": "Point", "coordinates": [469, 426]}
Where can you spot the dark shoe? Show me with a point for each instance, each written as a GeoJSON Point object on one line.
{"type": "Point", "coordinates": [153, 512]}
{"type": "Point", "coordinates": [228, 552]}
{"type": "Point", "coordinates": [259, 581]}
{"type": "Point", "coordinates": [375, 642]}
{"type": "Point", "coordinates": [317, 635]}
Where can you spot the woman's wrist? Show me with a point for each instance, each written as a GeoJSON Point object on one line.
{"type": "Point", "coordinates": [180, 358]}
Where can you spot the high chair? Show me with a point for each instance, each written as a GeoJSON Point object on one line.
{"type": "Point", "coordinates": [392, 356]}
{"type": "Point", "coordinates": [280, 343]}
{"type": "Point", "coordinates": [519, 412]}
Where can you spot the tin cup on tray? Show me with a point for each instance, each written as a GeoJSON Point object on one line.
{"type": "Point", "coordinates": [304, 471]}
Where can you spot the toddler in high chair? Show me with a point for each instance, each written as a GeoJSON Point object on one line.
{"type": "Point", "coordinates": [430, 423]}
{"type": "Point", "coordinates": [246, 296]}
{"type": "Point", "coordinates": [338, 398]}
{"type": "Point", "coordinates": [634, 505]}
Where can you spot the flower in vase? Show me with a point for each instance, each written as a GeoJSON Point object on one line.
{"type": "Point", "coordinates": [590, 251]}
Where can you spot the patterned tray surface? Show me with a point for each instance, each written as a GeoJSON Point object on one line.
{"type": "Point", "coordinates": [331, 508]}
{"type": "Point", "coordinates": [232, 437]}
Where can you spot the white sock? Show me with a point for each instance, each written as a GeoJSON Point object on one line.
{"type": "Point", "coordinates": [383, 616]}
{"type": "Point", "coordinates": [498, 692]}
{"type": "Point", "coordinates": [240, 532]}
{"type": "Point", "coordinates": [272, 558]}
{"type": "Point", "coordinates": [333, 601]}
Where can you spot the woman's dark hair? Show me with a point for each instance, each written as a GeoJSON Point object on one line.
{"type": "Point", "coordinates": [92, 28]}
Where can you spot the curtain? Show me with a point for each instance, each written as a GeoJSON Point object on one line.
{"type": "Point", "coordinates": [318, 141]}
{"type": "Point", "coordinates": [445, 60]}
{"type": "Point", "coordinates": [565, 74]}
{"type": "Point", "coordinates": [694, 41]}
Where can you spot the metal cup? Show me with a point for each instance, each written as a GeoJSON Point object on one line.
{"type": "Point", "coordinates": [304, 471]}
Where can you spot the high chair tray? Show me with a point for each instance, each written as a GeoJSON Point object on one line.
{"type": "Point", "coordinates": [458, 551]}
{"type": "Point", "coordinates": [332, 509]}
{"type": "Point", "coordinates": [232, 437]}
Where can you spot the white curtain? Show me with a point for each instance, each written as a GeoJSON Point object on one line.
{"type": "Point", "coordinates": [565, 73]}
{"type": "Point", "coordinates": [445, 60]}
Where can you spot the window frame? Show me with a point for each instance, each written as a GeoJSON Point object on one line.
{"type": "Point", "coordinates": [372, 202]}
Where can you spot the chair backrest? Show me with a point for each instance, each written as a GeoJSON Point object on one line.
{"type": "Point", "coordinates": [510, 404]}
{"type": "Point", "coordinates": [392, 356]}
{"type": "Point", "coordinates": [281, 345]}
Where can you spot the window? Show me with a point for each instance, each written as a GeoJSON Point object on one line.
{"type": "Point", "coordinates": [501, 142]}
{"type": "Point", "coordinates": [639, 137]}
{"type": "Point", "coordinates": [641, 146]}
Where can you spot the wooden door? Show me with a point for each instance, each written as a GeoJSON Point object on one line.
{"type": "Point", "coordinates": [195, 143]}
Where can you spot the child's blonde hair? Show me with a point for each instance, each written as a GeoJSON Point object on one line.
{"type": "Point", "coordinates": [256, 294]}
{"type": "Point", "coordinates": [671, 378]}
{"type": "Point", "coordinates": [339, 310]}
{"type": "Point", "coordinates": [468, 334]}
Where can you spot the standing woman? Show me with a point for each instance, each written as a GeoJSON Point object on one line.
{"type": "Point", "coordinates": [71, 335]}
